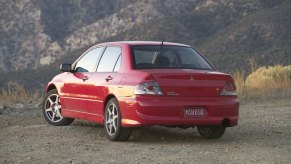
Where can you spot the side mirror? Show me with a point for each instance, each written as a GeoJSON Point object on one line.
{"type": "Point", "coordinates": [66, 67]}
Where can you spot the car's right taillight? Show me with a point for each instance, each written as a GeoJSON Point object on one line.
{"type": "Point", "coordinates": [148, 88]}
{"type": "Point", "coordinates": [229, 89]}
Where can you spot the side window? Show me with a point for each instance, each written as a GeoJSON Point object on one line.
{"type": "Point", "coordinates": [88, 62]}
{"type": "Point", "coordinates": [109, 59]}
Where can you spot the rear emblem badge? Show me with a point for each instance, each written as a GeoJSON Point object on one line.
{"type": "Point", "coordinates": [173, 94]}
{"type": "Point", "coordinates": [191, 78]}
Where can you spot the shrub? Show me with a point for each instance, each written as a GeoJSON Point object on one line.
{"type": "Point", "coordinates": [269, 81]}
{"type": "Point", "coordinates": [17, 93]}
{"type": "Point", "coordinates": [272, 76]}
{"type": "Point", "coordinates": [239, 78]}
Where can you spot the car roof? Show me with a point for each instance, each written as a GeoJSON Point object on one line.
{"type": "Point", "coordinates": [143, 43]}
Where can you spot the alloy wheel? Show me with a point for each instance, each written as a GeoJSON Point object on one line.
{"type": "Point", "coordinates": [111, 119]}
{"type": "Point", "coordinates": [53, 108]}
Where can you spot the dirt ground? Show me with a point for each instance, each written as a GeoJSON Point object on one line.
{"type": "Point", "coordinates": [262, 136]}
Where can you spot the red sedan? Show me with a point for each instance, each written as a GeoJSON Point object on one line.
{"type": "Point", "coordinates": [128, 84]}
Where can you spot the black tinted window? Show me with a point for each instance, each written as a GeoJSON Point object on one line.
{"type": "Point", "coordinates": [88, 62]}
{"type": "Point", "coordinates": [171, 57]}
{"type": "Point", "coordinates": [109, 59]}
{"type": "Point", "coordinates": [190, 58]}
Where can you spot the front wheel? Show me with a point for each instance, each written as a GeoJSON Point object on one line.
{"type": "Point", "coordinates": [211, 132]}
{"type": "Point", "coordinates": [112, 122]}
{"type": "Point", "coordinates": [52, 110]}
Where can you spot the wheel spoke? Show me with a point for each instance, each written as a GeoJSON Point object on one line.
{"type": "Point", "coordinates": [49, 109]}
{"type": "Point", "coordinates": [57, 99]}
{"type": "Point", "coordinates": [114, 126]}
{"type": "Point", "coordinates": [108, 122]}
{"type": "Point", "coordinates": [109, 110]}
{"type": "Point", "coordinates": [114, 109]}
{"type": "Point", "coordinates": [110, 129]}
{"type": "Point", "coordinates": [53, 116]}
{"type": "Point", "coordinates": [59, 114]}
{"type": "Point", "coordinates": [115, 117]}
{"type": "Point", "coordinates": [50, 100]}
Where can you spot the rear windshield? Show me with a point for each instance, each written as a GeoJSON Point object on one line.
{"type": "Point", "coordinates": [147, 57]}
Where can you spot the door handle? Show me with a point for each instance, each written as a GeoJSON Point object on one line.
{"type": "Point", "coordinates": [85, 78]}
{"type": "Point", "coordinates": [108, 78]}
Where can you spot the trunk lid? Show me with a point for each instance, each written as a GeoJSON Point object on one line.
{"type": "Point", "coordinates": [189, 83]}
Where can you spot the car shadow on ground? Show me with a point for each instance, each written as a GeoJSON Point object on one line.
{"type": "Point", "coordinates": [152, 134]}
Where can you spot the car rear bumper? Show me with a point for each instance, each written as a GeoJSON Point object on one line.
{"type": "Point", "coordinates": [169, 111]}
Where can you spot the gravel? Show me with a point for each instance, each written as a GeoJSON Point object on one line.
{"type": "Point", "coordinates": [262, 136]}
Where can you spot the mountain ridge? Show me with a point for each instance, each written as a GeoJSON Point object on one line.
{"type": "Point", "coordinates": [37, 35]}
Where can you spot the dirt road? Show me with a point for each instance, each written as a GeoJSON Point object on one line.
{"type": "Point", "coordinates": [263, 136]}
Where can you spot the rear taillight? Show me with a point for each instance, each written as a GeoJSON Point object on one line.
{"type": "Point", "coordinates": [148, 88]}
{"type": "Point", "coordinates": [229, 89]}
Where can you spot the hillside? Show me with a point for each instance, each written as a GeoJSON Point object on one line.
{"type": "Point", "coordinates": [36, 36]}
{"type": "Point", "coordinates": [228, 37]}
{"type": "Point", "coordinates": [263, 36]}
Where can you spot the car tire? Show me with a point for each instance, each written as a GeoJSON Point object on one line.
{"type": "Point", "coordinates": [52, 110]}
{"type": "Point", "coordinates": [211, 132]}
{"type": "Point", "coordinates": [112, 122]}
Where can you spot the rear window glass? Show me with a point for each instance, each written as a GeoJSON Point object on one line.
{"type": "Point", "coordinates": [147, 57]}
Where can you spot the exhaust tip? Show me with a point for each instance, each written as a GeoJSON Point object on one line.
{"type": "Point", "coordinates": [225, 122]}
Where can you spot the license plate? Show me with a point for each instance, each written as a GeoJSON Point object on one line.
{"type": "Point", "coordinates": [194, 112]}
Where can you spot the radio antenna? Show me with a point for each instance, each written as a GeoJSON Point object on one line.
{"type": "Point", "coordinates": [162, 46]}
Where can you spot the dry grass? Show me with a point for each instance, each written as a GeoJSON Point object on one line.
{"type": "Point", "coordinates": [264, 82]}
{"type": "Point", "coordinates": [17, 93]}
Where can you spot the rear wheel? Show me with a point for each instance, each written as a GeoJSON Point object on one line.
{"type": "Point", "coordinates": [112, 122]}
{"type": "Point", "coordinates": [52, 110]}
{"type": "Point", "coordinates": [211, 132]}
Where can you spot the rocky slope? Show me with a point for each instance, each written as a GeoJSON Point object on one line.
{"type": "Point", "coordinates": [40, 33]}
{"type": "Point", "coordinates": [35, 33]}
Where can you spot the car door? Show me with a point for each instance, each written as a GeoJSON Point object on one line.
{"type": "Point", "coordinates": [100, 82]}
{"type": "Point", "coordinates": [75, 89]}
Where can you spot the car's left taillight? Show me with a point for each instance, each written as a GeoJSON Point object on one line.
{"type": "Point", "coordinates": [148, 88]}
{"type": "Point", "coordinates": [229, 89]}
